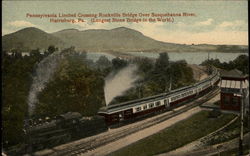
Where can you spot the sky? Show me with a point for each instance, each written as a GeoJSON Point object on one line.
{"type": "Point", "coordinates": [215, 22]}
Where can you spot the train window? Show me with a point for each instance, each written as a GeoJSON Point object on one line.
{"type": "Point", "coordinates": [138, 109]}
{"type": "Point", "coordinates": [158, 103]}
{"type": "Point", "coordinates": [145, 107]}
{"type": "Point", "coordinates": [175, 98]}
{"type": "Point", "coordinates": [151, 105]}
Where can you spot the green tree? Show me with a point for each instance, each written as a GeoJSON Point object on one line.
{"type": "Point", "coordinates": [75, 87]}
{"type": "Point", "coordinates": [51, 49]}
{"type": "Point", "coordinates": [242, 63]}
{"type": "Point", "coordinates": [118, 63]}
{"type": "Point", "coordinates": [161, 73]}
{"type": "Point", "coordinates": [103, 62]}
{"type": "Point", "coordinates": [182, 75]}
{"type": "Point", "coordinates": [162, 62]}
{"type": "Point", "coordinates": [16, 81]}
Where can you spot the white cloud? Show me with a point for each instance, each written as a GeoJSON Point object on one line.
{"type": "Point", "coordinates": [150, 29]}
{"type": "Point", "coordinates": [217, 35]}
{"type": "Point", "coordinates": [21, 24]}
{"type": "Point", "coordinates": [225, 24]}
{"type": "Point", "coordinates": [197, 25]}
{"type": "Point", "coordinates": [183, 25]}
{"type": "Point", "coordinates": [204, 23]}
{"type": "Point", "coordinates": [235, 25]}
{"type": "Point", "coordinates": [183, 34]}
{"type": "Point", "coordinates": [211, 37]}
{"type": "Point", "coordinates": [160, 32]}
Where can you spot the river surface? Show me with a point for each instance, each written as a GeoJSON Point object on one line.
{"type": "Point", "coordinates": [190, 57]}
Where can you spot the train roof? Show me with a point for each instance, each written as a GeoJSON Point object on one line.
{"type": "Point", "coordinates": [137, 100]}
{"type": "Point", "coordinates": [132, 103]}
{"type": "Point", "coordinates": [125, 105]}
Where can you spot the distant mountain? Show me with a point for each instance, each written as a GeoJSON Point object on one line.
{"type": "Point", "coordinates": [30, 38]}
{"type": "Point", "coordinates": [120, 39]}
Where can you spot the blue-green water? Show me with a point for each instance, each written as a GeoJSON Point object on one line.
{"type": "Point", "coordinates": [193, 57]}
{"type": "Point", "coordinates": [190, 57]}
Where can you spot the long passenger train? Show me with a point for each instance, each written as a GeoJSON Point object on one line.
{"type": "Point", "coordinates": [136, 108]}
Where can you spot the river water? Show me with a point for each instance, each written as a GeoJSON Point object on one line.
{"type": "Point", "coordinates": [190, 57]}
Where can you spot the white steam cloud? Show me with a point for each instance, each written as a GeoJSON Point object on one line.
{"type": "Point", "coordinates": [116, 85]}
{"type": "Point", "coordinates": [43, 74]}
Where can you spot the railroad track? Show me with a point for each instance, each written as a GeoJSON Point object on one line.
{"type": "Point", "coordinates": [95, 142]}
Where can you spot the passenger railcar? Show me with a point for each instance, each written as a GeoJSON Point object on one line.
{"type": "Point", "coordinates": [140, 107]}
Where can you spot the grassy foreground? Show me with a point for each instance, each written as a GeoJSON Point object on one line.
{"type": "Point", "coordinates": [229, 133]}
{"type": "Point", "coordinates": [176, 136]}
{"type": "Point", "coordinates": [234, 152]}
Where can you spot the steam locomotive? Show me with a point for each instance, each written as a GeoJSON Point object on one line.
{"type": "Point", "coordinates": [137, 108]}
{"type": "Point", "coordinates": [47, 133]}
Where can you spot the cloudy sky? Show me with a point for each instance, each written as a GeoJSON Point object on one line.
{"type": "Point", "coordinates": [216, 22]}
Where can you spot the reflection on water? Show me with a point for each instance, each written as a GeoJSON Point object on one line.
{"type": "Point", "coordinates": [190, 57]}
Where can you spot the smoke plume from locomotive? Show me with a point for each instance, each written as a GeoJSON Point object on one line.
{"type": "Point", "coordinates": [43, 73]}
{"type": "Point", "coordinates": [117, 84]}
